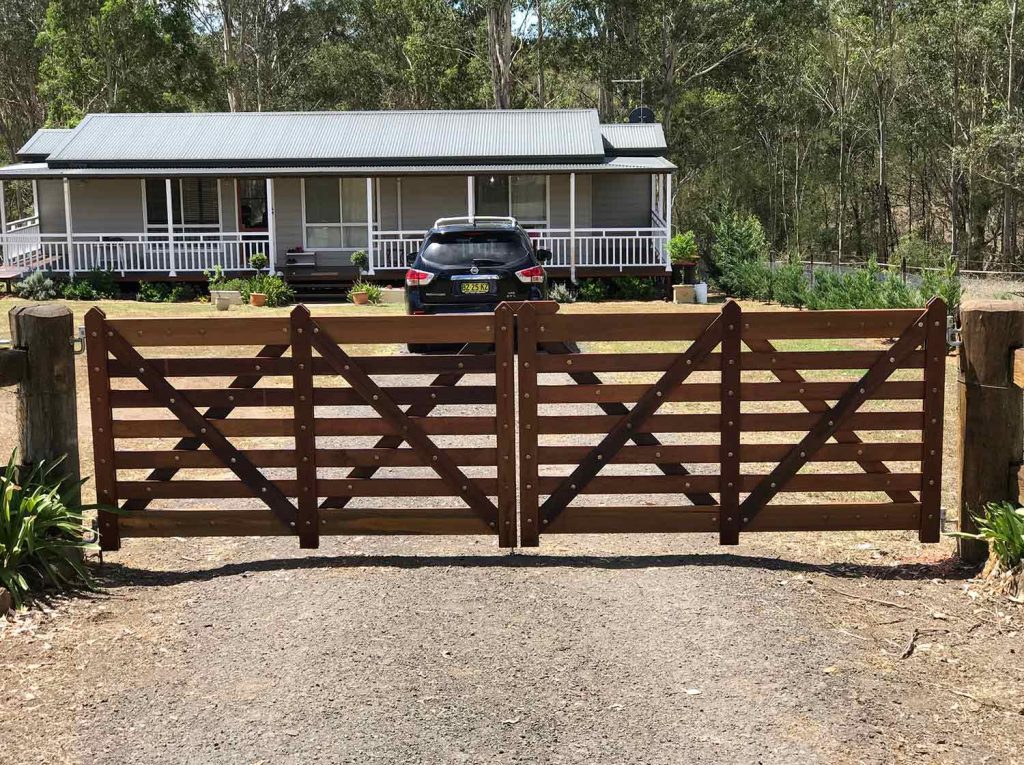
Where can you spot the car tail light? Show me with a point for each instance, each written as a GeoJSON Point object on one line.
{"type": "Point", "coordinates": [416, 278]}
{"type": "Point", "coordinates": [534, 275]}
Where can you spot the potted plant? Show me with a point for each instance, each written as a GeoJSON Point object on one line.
{"type": "Point", "coordinates": [258, 299]}
{"type": "Point", "coordinates": [360, 260]}
{"type": "Point", "coordinates": [360, 297]}
{"type": "Point", "coordinates": [682, 251]}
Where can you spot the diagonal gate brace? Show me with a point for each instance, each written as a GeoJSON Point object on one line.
{"type": "Point", "coordinates": [437, 459]}
{"type": "Point", "coordinates": [633, 422]}
{"type": "Point", "coordinates": [203, 429]}
{"type": "Point", "coordinates": [832, 420]}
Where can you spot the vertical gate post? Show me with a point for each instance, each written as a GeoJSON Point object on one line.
{"type": "Point", "coordinates": [308, 518]}
{"type": "Point", "coordinates": [934, 421]}
{"type": "Point", "coordinates": [991, 436]}
{"type": "Point", "coordinates": [97, 355]}
{"type": "Point", "coordinates": [529, 500]}
{"type": "Point", "coordinates": [47, 410]}
{"type": "Point", "coordinates": [729, 448]}
{"type": "Point", "coordinates": [505, 411]}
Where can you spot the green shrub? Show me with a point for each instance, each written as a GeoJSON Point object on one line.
{"type": "Point", "coordinates": [373, 291]}
{"type": "Point", "coordinates": [635, 288]}
{"type": "Point", "coordinates": [1002, 526]}
{"type": "Point", "coordinates": [360, 260]}
{"type": "Point", "coordinates": [165, 292]}
{"type": "Point", "coordinates": [682, 248]}
{"type": "Point", "coordinates": [42, 536]}
{"type": "Point", "coordinates": [739, 257]}
{"type": "Point", "coordinates": [916, 252]}
{"type": "Point", "coordinates": [789, 285]}
{"type": "Point", "coordinates": [37, 286]}
{"type": "Point", "coordinates": [97, 284]}
{"type": "Point", "coordinates": [561, 292]}
{"type": "Point", "coordinates": [259, 261]}
{"type": "Point", "coordinates": [592, 290]}
{"type": "Point", "coordinates": [274, 287]}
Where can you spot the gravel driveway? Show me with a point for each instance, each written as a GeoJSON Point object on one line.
{"type": "Point", "coordinates": [441, 650]}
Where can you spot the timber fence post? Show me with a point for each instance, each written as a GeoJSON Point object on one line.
{"type": "Point", "coordinates": [991, 437]}
{"type": "Point", "coordinates": [47, 411]}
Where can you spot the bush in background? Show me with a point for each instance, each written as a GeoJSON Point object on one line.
{"type": "Point", "coordinates": [98, 284]}
{"type": "Point", "coordinates": [42, 535]}
{"type": "Point", "coordinates": [635, 288]}
{"type": "Point", "coordinates": [561, 292]}
{"type": "Point", "coordinates": [360, 260]}
{"type": "Point", "coordinates": [165, 292]}
{"type": "Point", "coordinates": [37, 286]}
{"type": "Point", "coordinates": [592, 290]}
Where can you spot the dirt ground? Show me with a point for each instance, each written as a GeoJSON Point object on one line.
{"type": "Point", "coordinates": [813, 648]}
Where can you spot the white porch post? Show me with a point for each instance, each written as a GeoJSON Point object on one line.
{"type": "Point", "coordinates": [668, 218]}
{"type": "Point", "coordinates": [67, 228]}
{"type": "Point", "coordinates": [271, 227]}
{"type": "Point", "coordinates": [470, 197]}
{"type": "Point", "coordinates": [172, 259]}
{"type": "Point", "coordinates": [398, 194]}
{"type": "Point", "coordinates": [3, 224]}
{"type": "Point", "coordinates": [572, 227]}
{"type": "Point", "coordinates": [370, 254]}
{"type": "Point", "coordinates": [35, 198]}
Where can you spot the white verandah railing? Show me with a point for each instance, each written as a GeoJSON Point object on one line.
{"type": "Point", "coordinates": [620, 248]}
{"type": "Point", "coordinates": [25, 248]}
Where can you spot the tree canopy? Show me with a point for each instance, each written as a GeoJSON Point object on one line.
{"type": "Point", "coordinates": [867, 128]}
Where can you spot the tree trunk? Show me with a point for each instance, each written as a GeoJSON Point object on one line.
{"type": "Point", "coordinates": [499, 45]}
{"type": "Point", "coordinates": [230, 60]}
{"type": "Point", "coordinates": [1009, 242]}
{"type": "Point", "coordinates": [540, 53]}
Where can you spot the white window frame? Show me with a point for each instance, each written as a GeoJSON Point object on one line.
{"type": "Point", "coordinates": [547, 199]}
{"type": "Point", "coordinates": [183, 227]}
{"type": "Point", "coordinates": [341, 224]}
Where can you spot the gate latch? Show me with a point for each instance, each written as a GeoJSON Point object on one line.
{"type": "Point", "coordinates": [78, 343]}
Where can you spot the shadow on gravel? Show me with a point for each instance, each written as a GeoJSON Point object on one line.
{"type": "Point", "coordinates": [114, 575]}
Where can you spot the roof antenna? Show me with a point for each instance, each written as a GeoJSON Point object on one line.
{"type": "Point", "coordinates": [640, 113]}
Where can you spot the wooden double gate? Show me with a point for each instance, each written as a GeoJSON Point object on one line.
{"type": "Point", "coordinates": [665, 422]}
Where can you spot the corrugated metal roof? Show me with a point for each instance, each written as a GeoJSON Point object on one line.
{"type": "Point", "coordinates": [609, 165]}
{"type": "Point", "coordinates": [628, 136]}
{"type": "Point", "coordinates": [332, 137]}
{"type": "Point", "coordinates": [43, 143]}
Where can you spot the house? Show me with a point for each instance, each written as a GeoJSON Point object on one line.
{"type": "Point", "coordinates": [167, 196]}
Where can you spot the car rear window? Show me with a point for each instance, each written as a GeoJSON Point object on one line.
{"type": "Point", "coordinates": [480, 248]}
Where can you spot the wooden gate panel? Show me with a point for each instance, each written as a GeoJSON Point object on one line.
{"type": "Point", "coordinates": [263, 426]}
{"type": "Point", "coordinates": [751, 429]}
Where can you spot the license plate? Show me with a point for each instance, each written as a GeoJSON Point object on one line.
{"type": "Point", "coordinates": [475, 288]}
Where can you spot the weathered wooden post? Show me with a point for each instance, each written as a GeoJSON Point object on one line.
{"type": "Point", "coordinates": [991, 409]}
{"type": "Point", "coordinates": [47, 409]}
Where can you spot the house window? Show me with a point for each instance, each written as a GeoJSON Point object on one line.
{"type": "Point", "coordinates": [524, 197]}
{"type": "Point", "coordinates": [335, 213]}
{"type": "Point", "coordinates": [194, 200]}
{"type": "Point", "coordinates": [252, 204]}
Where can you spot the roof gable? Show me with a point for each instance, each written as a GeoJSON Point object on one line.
{"type": "Point", "coordinates": [315, 138]}
{"type": "Point", "coordinates": [42, 144]}
{"type": "Point", "coordinates": [627, 138]}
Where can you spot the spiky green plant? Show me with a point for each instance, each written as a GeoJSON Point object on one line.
{"type": "Point", "coordinates": [42, 535]}
{"type": "Point", "coordinates": [1002, 526]}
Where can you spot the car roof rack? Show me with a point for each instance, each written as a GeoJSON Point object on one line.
{"type": "Point", "coordinates": [474, 219]}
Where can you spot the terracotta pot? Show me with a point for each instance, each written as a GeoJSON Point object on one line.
{"type": "Point", "coordinates": [257, 299]}
{"type": "Point", "coordinates": [360, 298]}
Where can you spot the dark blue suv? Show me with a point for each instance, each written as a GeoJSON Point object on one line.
{"type": "Point", "coordinates": [470, 265]}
